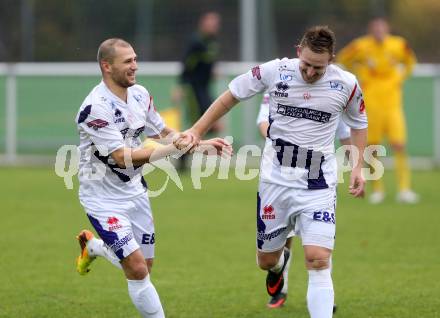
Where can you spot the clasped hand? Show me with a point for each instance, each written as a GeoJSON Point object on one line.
{"type": "Point", "coordinates": [190, 142]}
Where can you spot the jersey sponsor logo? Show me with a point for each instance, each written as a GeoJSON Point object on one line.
{"type": "Point", "coordinates": [306, 113]}
{"type": "Point", "coordinates": [268, 213]}
{"type": "Point", "coordinates": [324, 216]}
{"type": "Point", "coordinates": [281, 87]}
{"type": "Point", "coordinates": [256, 72]}
{"type": "Point", "coordinates": [307, 96]}
{"type": "Point", "coordinates": [286, 77]}
{"type": "Point", "coordinates": [281, 94]}
{"type": "Point", "coordinates": [119, 118]}
{"type": "Point", "coordinates": [336, 86]}
{"type": "Point", "coordinates": [97, 124]}
{"type": "Point", "coordinates": [138, 98]}
{"type": "Point", "coordinates": [118, 244]}
{"type": "Point", "coordinates": [113, 223]}
{"type": "Point", "coordinates": [269, 236]}
{"type": "Point", "coordinates": [131, 133]}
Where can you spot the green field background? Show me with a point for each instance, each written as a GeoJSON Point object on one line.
{"type": "Point", "coordinates": [47, 106]}
{"type": "Point", "coordinates": [386, 259]}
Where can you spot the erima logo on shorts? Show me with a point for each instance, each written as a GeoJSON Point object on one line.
{"type": "Point", "coordinates": [268, 213]}
{"type": "Point", "coordinates": [113, 223]}
{"type": "Point", "coordinates": [120, 243]}
{"type": "Point", "coordinates": [268, 236]}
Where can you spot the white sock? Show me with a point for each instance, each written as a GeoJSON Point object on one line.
{"type": "Point", "coordinates": [286, 274]}
{"type": "Point", "coordinates": [97, 247]}
{"type": "Point", "coordinates": [320, 295]}
{"type": "Point", "coordinates": [144, 296]}
{"type": "Point", "coordinates": [277, 268]}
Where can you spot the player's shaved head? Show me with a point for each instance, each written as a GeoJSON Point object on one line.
{"type": "Point", "coordinates": [319, 39]}
{"type": "Point", "coordinates": [107, 49]}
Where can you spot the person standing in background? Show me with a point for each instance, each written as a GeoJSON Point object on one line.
{"type": "Point", "coordinates": [382, 62]}
{"type": "Point", "coordinates": [197, 73]}
{"type": "Point", "coordinates": [198, 62]}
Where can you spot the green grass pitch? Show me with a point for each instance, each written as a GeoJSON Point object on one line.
{"type": "Point", "coordinates": [386, 261]}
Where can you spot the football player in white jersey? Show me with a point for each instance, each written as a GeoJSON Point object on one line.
{"type": "Point", "coordinates": [297, 190]}
{"type": "Point", "coordinates": [343, 134]}
{"type": "Point", "coordinates": [112, 189]}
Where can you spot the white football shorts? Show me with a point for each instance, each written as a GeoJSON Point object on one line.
{"type": "Point", "coordinates": [310, 213]}
{"type": "Point", "coordinates": [125, 226]}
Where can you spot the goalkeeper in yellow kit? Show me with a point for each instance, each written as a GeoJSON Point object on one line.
{"type": "Point", "coordinates": [382, 62]}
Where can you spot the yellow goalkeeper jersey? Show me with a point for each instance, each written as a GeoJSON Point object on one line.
{"type": "Point", "coordinates": [382, 66]}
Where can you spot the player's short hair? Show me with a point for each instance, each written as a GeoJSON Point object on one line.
{"type": "Point", "coordinates": [107, 51]}
{"type": "Point", "coordinates": [319, 39]}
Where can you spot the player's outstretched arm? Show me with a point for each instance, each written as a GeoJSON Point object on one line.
{"type": "Point", "coordinates": [153, 151]}
{"type": "Point", "coordinates": [357, 181]}
{"type": "Point", "coordinates": [217, 109]}
{"type": "Point", "coordinates": [155, 147]}
{"type": "Point", "coordinates": [221, 146]}
{"type": "Point", "coordinates": [128, 157]}
{"type": "Point", "coordinates": [168, 136]}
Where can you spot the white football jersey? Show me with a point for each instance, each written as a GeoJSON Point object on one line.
{"type": "Point", "coordinates": [303, 119]}
{"type": "Point", "coordinates": [342, 131]}
{"type": "Point", "coordinates": [106, 123]}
